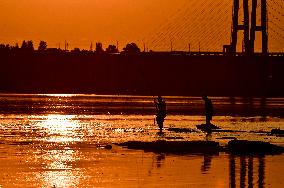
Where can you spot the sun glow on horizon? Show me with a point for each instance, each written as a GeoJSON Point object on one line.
{"type": "Point", "coordinates": [155, 23]}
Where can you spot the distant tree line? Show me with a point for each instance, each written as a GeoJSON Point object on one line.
{"type": "Point", "coordinates": [28, 46]}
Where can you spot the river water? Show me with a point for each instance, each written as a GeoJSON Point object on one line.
{"type": "Point", "coordinates": [59, 141]}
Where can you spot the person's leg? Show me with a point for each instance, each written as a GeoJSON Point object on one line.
{"type": "Point", "coordinates": [160, 122]}
{"type": "Point", "coordinates": [161, 127]}
{"type": "Point", "coordinates": [207, 119]}
{"type": "Point", "coordinates": [210, 118]}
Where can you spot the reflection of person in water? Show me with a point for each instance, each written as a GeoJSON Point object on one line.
{"type": "Point", "coordinates": [160, 158]}
{"type": "Point", "coordinates": [206, 163]}
{"type": "Point", "coordinates": [161, 112]}
{"type": "Point", "coordinates": [208, 109]}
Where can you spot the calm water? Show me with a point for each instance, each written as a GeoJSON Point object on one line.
{"type": "Point", "coordinates": [58, 141]}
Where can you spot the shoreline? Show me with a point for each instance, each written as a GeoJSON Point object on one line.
{"type": "Point", "coordinates": [138, 105]}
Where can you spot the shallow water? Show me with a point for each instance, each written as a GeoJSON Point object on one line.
{"type": "Point", "coordinates": [58, 140]}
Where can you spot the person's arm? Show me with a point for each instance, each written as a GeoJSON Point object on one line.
{"type": "Point", "coordinates": [156, 104]}
{"type": "Point", "coordinates": [155, 101]}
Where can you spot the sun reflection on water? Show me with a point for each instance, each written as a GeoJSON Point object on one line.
{"type": "Point", "coordinates": [62, 128]}
{"type": "Point", "coordinates": [58, 170]}
{"type": "Point", "coordinates": [59, 160]}
{"type": "Point", "coordinates": [58, 95]}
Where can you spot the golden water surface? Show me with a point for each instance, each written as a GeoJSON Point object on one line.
{"type": "Point", "coordinates": [41, 147]}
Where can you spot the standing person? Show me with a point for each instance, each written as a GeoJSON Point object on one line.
{"type": "Point", "coordinates": [161, 112]}
{"type": "Point", "coordinates": [208, 109]}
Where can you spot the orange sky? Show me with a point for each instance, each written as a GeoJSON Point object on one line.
{"type": "Point", "coordinates": [153, 22]}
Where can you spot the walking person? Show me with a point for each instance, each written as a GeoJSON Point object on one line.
{"type": "Point", "coordinates": [161, 112]}
{"type": "Point", "coordinates": [208, 109]}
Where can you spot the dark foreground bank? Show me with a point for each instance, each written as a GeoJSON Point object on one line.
{"type": "Point", "coordinates": [206, 147]}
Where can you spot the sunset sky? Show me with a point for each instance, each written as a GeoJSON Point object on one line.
{"type": "Point", "coordinates": [156, 23]}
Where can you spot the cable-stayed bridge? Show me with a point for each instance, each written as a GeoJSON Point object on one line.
{"type": "Point", "coordinates": [208, 25]}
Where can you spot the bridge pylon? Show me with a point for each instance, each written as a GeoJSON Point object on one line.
{"type": "Point", "coordinates": [239, 27]}
{"type": "Point", "coordinates": [262, 28]}
{"type": "Point", "coordinates": [249, 29]}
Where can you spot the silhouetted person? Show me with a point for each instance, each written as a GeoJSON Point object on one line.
{"type": "Point", "coordinates": [208, 109]}
{"type": "Point", "coordinates": [161, 112]}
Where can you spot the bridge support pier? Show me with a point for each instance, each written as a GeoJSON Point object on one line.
{"type": "Point", "coordinates": [237, 27]}
{"type": "Point", "coordinates": [249, 33]}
